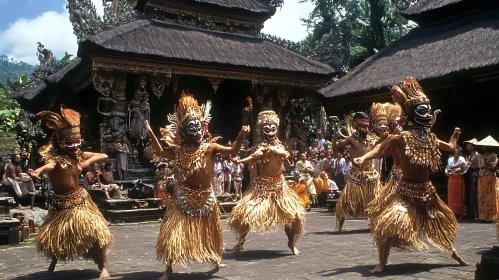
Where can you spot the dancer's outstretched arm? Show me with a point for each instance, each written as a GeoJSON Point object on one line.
{"type": "Point", "coordinates": [379, 149]}
{"type": "Point", "coordinates": [35, 174]}
{"type": "Point", "coordinates": [164, 153]}
{"type": "Point", "coordinates": [91, 158]}
{"type": "Point", "coordinates": [451, 146]}
{"type": "Point", "coordinates": [219, 149]}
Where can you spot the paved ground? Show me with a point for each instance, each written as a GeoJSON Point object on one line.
{"type": "Point", "coordinates": [325, 255]}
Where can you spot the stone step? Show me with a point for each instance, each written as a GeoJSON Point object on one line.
{"type": "Point", "coordinates": [134, 215]}
{"type": "Point", "coordinates": [9, 231]}
{"type": "Point", "coordinates": [128, 204]}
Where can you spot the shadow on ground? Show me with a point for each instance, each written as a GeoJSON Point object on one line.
{"type": "Point", "coordinates": [91, 274]}
{"type": "Point", "coordinates": [248, 255]}
{"type": "Point", "coordinates": [390, 270]}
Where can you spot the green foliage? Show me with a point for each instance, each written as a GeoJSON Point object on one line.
{"type": "Point", "coordinates": [11, 68]}
{"type": "Point", "coordinates": [67, 58]}
{"type": "Point", "coordinates": [343, 33]}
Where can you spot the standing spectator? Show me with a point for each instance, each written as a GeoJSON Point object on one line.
{"type": "Point", "coordinates": [338, 163]}
{"type": "Point", "coordinates": [237, 175]}
{"type": "Point", "coordinates": [227, 169]}
{"type": "Point", "coordinates": [346, 167]}
{"type": "Point", "coordinates": [122, 153]}
{"type": "Point", "coordinates": [456, 167]}
{"type": "Point", "coordinates": [217, 176]}
{"type": "Point", "coordinates": [21, 182]}
{"type": "Point", "coordinates": [472, 178]}
{"type": "Point", "coordinates": [488, 185]}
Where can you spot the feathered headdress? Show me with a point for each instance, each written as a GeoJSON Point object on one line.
{"type": "Point", "coordinates": [66, 125]}
{"type": "Point", "coordinates": [187, 110]}
{"type": "Point", "coordinates": [380, 111]}
{"type": "Point", "coordinates": [394, 112]}
{"type": "Point", "coordinates": [411, 91]}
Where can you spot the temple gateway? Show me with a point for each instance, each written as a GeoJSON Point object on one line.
{"type": "Point", "coordinates": [133, 64]}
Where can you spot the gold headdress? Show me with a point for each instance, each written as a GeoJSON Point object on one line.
{"type": "Point", "coordinates": [267, 117]}
{"type": "Point", "coordinates": [380, 111]}
{"type": "Point", "coordinates": [66, 125]}
{"type": "Point", "coordinates": [394, 112]}
{"type": "Point", "coordinates": [66, 128]}
{"type": "Point", "coordinates": [187, 110]}
{"type": "Point", "coordinates": [412, 91]}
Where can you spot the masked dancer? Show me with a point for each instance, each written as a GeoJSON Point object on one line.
{"type": "Point", "coordinates": [191, 229]}
{"type": "Point", "coordinates": [362, 182]}
{"type": "Point", "coordinates": [379, 122]}
{"type": "Point", "coordinates": [413, 215]}
{"type": "Point", "coordinates": [74, 227]}
{"type": "Point", "coordinates": [269, 201]}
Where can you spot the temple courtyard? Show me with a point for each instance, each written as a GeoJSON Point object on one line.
{"type": "Point", "coordinates": [325, 255]}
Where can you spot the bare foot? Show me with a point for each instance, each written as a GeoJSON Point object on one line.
{"type": "Point", "coordinates": [19, 207]}
{"type": "Point", "coordinates": [377, 269]}
{"type": "Point", "coordinates": [294, 250]}
{"type": "Point", "coordinates": [459, 259]}
{"type": "Point", "coordinates": [219, 265]}
{"type": "Point", "coordinates": [32, 208]}
{"type": "Point", "coordinates": [237, 248]}
{"type": "Point", "coordinates": [104, 274]}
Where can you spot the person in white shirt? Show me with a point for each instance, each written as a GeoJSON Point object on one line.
{"type": "Point", "coordinates": [217, 176]}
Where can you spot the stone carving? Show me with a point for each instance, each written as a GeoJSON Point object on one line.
{"type": "Point", "coordinates": [260, 92]}
{"type": "Point", "coordinates": [86, 22]}
{"type": "Point", "coordinates": [114, 116]}
{"type": "Point", "coordinates": [201, 20]}
{"type": "Point", "coordinates": [103, 81]}
{"type": "Point", "coordinates": [158, 85]}
{"type": "Point", "coordinates": [84, 18]}
{"type": "Point", "coordinates": [138, 112]}
{"type": "Point", "coordinates": [28, 135]}
{"type": "Point", "coordinates": [215, 82]}
{"type": "Point", "coordinates": [48, 66]}
{"type": "Point", "coordinates": [283, 95]}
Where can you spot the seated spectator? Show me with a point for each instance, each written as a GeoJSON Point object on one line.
{"type": "Point", "coordinates": [92, 181]}
{"type": "Point", "coordinates": [21, 183]}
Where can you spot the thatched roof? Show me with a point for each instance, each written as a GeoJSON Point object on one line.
{"type": "Point", "coordinates": [428, 5]}
{"type": "Point", "coordinates": [468, 45]}
{"type": "Point", "coordinates": [251, 5]}
{"type": "Point", "coordinates": [172, 42]}
{"type": "Point", "coordinates": [434, 12]}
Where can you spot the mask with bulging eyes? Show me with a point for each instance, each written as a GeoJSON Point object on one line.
{"type": "Point", "coordinates": [381, 127]}
{"type": "Point", "coordinates": [194, 131]}
{"type": "Point", "coordinates": [422, 114]}
{"type": "Point", "coordinates": [70, 145]}
{"type": "Point", "coordinates": [269, 132]}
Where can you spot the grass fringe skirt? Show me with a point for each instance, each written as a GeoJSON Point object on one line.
{"type": "Point", "coordinates": [184, 239]}
{"type": "Point", "coordinates": [268, 203]}
{"type": "Point", "coordinates": [355, 197]}
{"type": "Point", "coordinates": [71, 233]}
{"type": "Point", "coordinates": [411, 226]}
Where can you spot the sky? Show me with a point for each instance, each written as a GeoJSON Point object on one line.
{"type": "Point", "coordinates": [23, 23]}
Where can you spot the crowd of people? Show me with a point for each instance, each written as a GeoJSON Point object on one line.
{"type": "Point", "coordinates": [473, 186]}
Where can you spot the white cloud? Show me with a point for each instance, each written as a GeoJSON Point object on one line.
{"type": "Point", "coordinates": [52, 29]}
{"type": "Point", "coordinates": [286, 22]}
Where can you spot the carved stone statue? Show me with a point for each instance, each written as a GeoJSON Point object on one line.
{"type": "Point", "coordinates": [138, 112]}
{"type": "Point", "coordinates": [28, 135]}
{"type": "Point", "coordinates": [114, 116]}
{"type": "Point", "coordinates": [46, 58]}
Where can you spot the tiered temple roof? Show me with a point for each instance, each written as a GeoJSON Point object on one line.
{"type": "Point", "coordinates": [464, 46]}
